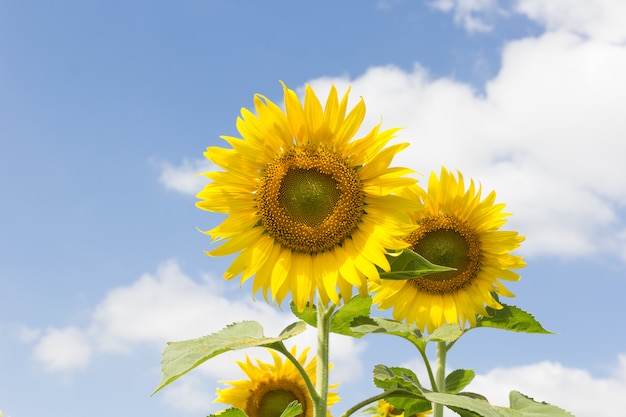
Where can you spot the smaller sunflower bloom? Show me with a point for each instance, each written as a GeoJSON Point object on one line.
{"type": "Point", "coordinates": [384, 409]}
{"type": "Point", "coordinates": [458, 230]}
{"type": "Point", "coordinates": [270, 387]}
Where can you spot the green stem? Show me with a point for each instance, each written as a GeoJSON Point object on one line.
{"type": "Point", "coordinates": [431, 376]}
{"type": "Point", "coordinates": [323, 332]}
{"type": "Point", "coordinates": [386, 394]}
{"type": "Point", "coordinates": [440, 376]}
{"type": "Point", "coordinates": [301, 370]}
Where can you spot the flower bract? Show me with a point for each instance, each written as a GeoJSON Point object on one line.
{"type": "Point", "coordinates": [310, 210]}
{"type": "Point", "coordinates": [270, 387]}
{"type": "Point", "coordinates": [459, 230]}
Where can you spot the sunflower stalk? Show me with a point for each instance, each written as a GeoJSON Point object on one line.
{"type": "Point", "coordinates": [440, 376]}
{"type": "Point", "coordinates": [320, 403]}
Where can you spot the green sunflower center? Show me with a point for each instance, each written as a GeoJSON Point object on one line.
{"type": "Point", "coordinates": [310, 199]}
{"type": "Point", "coordinates": [448, 241]}
{"type": "Point", "coordinates": [275, 402]}
{"type": "Point", "coordinates": [270, 398]}
{"type": "Point", "coordinates": [308, 195]}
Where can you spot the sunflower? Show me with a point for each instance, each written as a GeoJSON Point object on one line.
{"type": "Point", "coordinates": [270, 387]}
{"type": "Point", "coordinates": [384, 409]}
{"type": "Point", "coordinates": [309, 209]}
{"type": "Point", "coordinates": [458, 230]}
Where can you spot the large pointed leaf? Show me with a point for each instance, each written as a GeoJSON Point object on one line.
{"type": "Point", "coordinates": [531, 408]}
{"type": "Point", "coordinates": [408, 265]}
{"type": "Point", "coordinates": [340, 321]}
{"type": "Point", "coordinates": [459, 379]}
{"type": "Point", "coordinates": [511, 318]}
{"type": "Point", "coordinates": [458, 401]}
{"type": "Point", "coordinates": [181, 357]}
{"type": "Point", "coordinates": [365, 325]}
{"type": "Point", "coordinates": [521, 406]}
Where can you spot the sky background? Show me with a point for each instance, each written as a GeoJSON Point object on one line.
{"type": "Point", "coordinates": [106, 108]}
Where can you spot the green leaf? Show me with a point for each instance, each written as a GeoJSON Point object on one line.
{"type": "Point", "coordinates": [181, 357]}
{"type": "Point", "coordinates": [463, 402]}
{"type": "Point", "coordinates": [521, 406]}
{"type": "Point", "coordinates": [531, 408]}
{"type": "Point", "coordinates": [393, 378]}
{"type": "Point", "coordinates": [511, 318]}
{"type": "Point", "coordinates": [409, 406]}
{"type": "Point", "coordinates": [293, 409]}
{"type": "Point", "coordinates": [459, 379]}
{"type": "Point", "coordinates": [408, 265]}
{"type": "Point", "coordinates": [340, 321]}
{"type": "Point", "coordinates": [230, 412]}
{"type": "Point", "coordinates": [446, 333]}
{"type": "Point", "coordinates": [343, 317]}
{"type": "Point", "coordinates": [365, 325]}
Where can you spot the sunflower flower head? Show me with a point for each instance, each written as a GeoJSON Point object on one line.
{"type": "Point", "coordinates": [270, 387]}
{"type": "Point", "coordinates": [310, 211]}
{"type": "Point", "coordinates": [459, 230]}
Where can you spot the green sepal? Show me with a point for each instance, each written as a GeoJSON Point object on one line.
{"type": "Point", "coordinates": [340, 321]}
{"type": "Point", "coordinates": [181, 357]}
{"type": "Point", "coordinates": [230, 412]}
{"type": "Point", "coordinates": [408, 265]}
{"type": "Point", "coordinates": [459, 379]}
{"type": "Point", "coordinates": [511, 318]}
{"type": "Point", "coordinates": [293, 409]}
{"type": "Point", "coordinates": [365, 325]}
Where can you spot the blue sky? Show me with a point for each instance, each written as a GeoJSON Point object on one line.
{"type": "Point", "coordinates": [106, 108]}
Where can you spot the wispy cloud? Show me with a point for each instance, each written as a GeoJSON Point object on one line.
{"type": "Point", "coordinates": [185, 178]}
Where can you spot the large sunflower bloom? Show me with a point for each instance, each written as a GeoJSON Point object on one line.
{"type": "Point", "coordinates": [458, 230]}
{"type": "Point", "coordinates": [309, 209]}
{"type": "Point", "coordinates": [270, 387]}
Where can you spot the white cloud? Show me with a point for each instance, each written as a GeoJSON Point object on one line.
{"type": "Point", "coordinates": [572, 389]}
{"type": "Point", "coordinates": [548, 135]}
{"type": "Point", "coordinates": [575, 390]}
{"type": "Point", "coordinates": [599, 19]}
{"type": "Point", "coordinates": [168, 305]}
{"type": "Point", "coordinates": [184, 178]}
{"type": "Point", "coordinates": [63, 350]}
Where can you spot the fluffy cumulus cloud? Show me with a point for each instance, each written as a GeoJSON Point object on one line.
{"type": "Point", "coordinates": [169, 305]}
{"type": "Point", "coordinates": [574, 389]}
{"type": "Point", "coordinates": [548, 133]}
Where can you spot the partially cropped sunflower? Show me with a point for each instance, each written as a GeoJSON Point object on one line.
{"type": "Point", "coordinates": [309, 209]}
{"type": "Point", "coordinates": [270, 387]}
{"type": "Point", "coordinates": [458, 230]}
{"type": "Point", "coordinates": [384, 409]}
